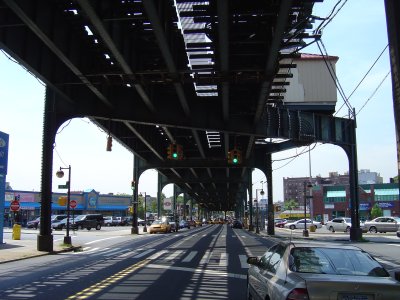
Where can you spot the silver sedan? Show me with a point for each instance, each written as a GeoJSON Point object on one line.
{"type": "Point", "coordinates": [304, 270]}
{"type": "Point", "coordinates": [382, 224]}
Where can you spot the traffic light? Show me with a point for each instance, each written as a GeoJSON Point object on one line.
{"type": "Point", "coordinates": [235, 156]}
{"type": "Point", "coordinates": [109, 143]}
{"type": "Point", "coordinates": [174, 151]}
{"type": "Point", "coordinates": [133, 184]}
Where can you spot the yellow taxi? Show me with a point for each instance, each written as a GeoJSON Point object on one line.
{"type": "Point", "coordinates": [198, 223]}
{"type": "Point", "coordinates": [160, 226]}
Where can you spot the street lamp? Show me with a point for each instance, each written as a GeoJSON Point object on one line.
{"type": "Point", "coordinates": [257, 209]}
{"type": "Point", "coordinates": [60, 174]}
{"type": "Point", "coordinates": [145, 218]}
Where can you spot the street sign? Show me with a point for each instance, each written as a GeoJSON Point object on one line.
{"type": "Point", "coordinates": [72, 203]}
{"type": "Point", "coordinates": [63, 186]}
{"type": "Point", "coordinates": [14, 205]}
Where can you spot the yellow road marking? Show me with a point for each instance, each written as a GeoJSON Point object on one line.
{"type": "Point", "coordinates": [98, 287]}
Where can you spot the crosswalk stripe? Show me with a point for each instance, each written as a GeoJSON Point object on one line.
{"type": "Point", "coordinates": [206, 257]}
{"type": "Point", "coordinates": [117, 252]}
{"type": "Point", "coordinates": [158, 254]}
{"type": "Point", "coordinates": [190, 256]}
{"type": "Point", "coordinates": [223, 260]}
{"type": "Point", "coordinates": [174, 255]}
{"type": "Point", "coordinates": [144, 253]}
{"type": "Point", "coordinates": [243, 261]}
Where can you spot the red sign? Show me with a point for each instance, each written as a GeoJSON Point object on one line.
{"type": "Point", "coordinates": [14, 206]}
{"type": "Point", "coordinates": [72, 203]}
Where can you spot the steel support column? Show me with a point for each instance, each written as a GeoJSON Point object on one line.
{"type": "Point", "coordinates": [393, 28]}
{"type": "Point", "coordinates": [250, 189]}
{"type": "Point", "coordinates": [45, 238]}
{"type": "Point", "coordinates": [268, 175]}
{"type": "Point", "coordinates": [351, 151]}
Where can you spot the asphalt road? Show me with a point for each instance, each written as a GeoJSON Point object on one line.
{"type": "Point", "coordinates": [206, 262]}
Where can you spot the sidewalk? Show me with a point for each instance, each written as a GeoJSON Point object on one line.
{"type": "Point", "coordinates": [12, 250]}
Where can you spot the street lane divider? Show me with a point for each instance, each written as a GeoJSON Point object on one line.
{"type": "Point", "coordinates": [102, 285]}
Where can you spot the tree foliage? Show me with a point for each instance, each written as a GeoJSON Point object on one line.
{"type": "Point", "coordinates": [376, 211]}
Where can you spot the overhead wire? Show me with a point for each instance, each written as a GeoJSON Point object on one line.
{"type": "Point", "coordinates": [374, 92]}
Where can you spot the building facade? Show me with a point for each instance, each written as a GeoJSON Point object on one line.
{"type": "Point", "coordinates": [88, 201]}
{"type": "Point", "coordinates": [334, 201]}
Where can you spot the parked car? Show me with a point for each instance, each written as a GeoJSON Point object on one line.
{"type": "Point", "coordinates": [192, 223]}
{"type": "Point", "coordinates": [280, 223]}
{"type": "Point", "coordinates": [33, 223]}
{"type": "Point", "coordinates": [110, 221]}
{"type": "Point", "coordinates": [339, 224]}
{"type": "Point", "coordinates": [198, 223]}
{"type": "Point", "coordinates": [299, 270]}
{"type": "Point", "coordinates": [299, 224]}
{"type": "Point", "coordinates": [55, 218]}
{"type": "Point", "coordinates": [160, 226]}
{"type": "Point", "coordinates": [237, 224]}
{"type": "Point", "coordinates": [382, 224]}
{"type": "Point", "coordinates": [398, 233]}
{"type": "Point", "coordinates": [88, 221]}
{"type": "Point", "coordinates": [62, 224]}
{"type": "Point", "coordinates": [184, 224]}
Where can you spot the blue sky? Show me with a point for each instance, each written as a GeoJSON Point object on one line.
{"type": "Point", "coordinates": [357, 35]}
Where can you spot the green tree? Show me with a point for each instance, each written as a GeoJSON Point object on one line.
{"type": "Point", "coordinates": [376, 211]}
{"type": "Point", "coordinates": [289, 205]}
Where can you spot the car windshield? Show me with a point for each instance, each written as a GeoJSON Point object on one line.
{"type": "Point", "coordinates": [158, 222]}
{"type": "Point", "coordinates": [335, 261]}
{"type": "Point", "coordinates": [78, 218]}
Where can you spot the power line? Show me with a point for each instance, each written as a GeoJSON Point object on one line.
{"type": "Point", "coordinates": [374, 92]}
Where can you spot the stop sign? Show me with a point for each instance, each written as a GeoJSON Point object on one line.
{"type": "Point", "coordinates": [14, 206]}
{"type": "Point", "coordinates": [72, 203]}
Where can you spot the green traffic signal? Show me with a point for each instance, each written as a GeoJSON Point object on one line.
{"type": "Point", "coordinates": [175, 155]}
{"type": "Point", "coordinates": [235, 160]}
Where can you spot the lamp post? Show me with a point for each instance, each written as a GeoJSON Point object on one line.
{"type": "Point", "coordinates": [60, 174]}
{"type": "Point", "coordinates": [306, 185]}
{"type": "Point", "coordinates": [257, 209]}
{"type": "Point", "coordinates": [145, 209]}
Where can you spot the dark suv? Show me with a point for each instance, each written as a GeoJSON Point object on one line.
{"type": "Point", "coordinates": [88, 221]}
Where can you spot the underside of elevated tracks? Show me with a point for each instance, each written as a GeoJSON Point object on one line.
{"type": "Point", "coordinates": [208, 76]}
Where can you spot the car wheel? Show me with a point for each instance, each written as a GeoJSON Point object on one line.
{"type": "Point", "coordinates": [292, 227]}
{"type": "Point", "coordinates": [98, 227]}
{"type": "Point", "coordinates": [81, 227]}
{"type": "Point", "coordinates": [348, 229]}
{"type": "Point", "coordinates": [331, 229]}
{"type": "Point", "coordinates": [62, 227]}
{"type": "Point", "coordinates": [373, 229]}
{"type": "Point", "coordinates": [89, 228]}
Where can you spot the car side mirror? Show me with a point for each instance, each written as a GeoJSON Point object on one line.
{"type": "Point", "coordinates": [253, 260]}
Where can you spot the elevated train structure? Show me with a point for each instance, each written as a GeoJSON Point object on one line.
{"type": "Point", "coordinates": [209, 76]}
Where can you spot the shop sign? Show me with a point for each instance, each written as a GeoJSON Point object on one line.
{"type": "Point", "coordinates": [385, 204]}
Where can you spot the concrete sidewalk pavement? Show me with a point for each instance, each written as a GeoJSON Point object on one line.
{"type": "Point", "coordinates": [12, 250]}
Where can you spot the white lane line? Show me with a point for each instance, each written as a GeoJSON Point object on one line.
{"type": "Point", "coordinates": [190, 256]}
{"type": "Point", "coordinates": [158, 254]}
{"type": "Point", "coordinates": [223, 260]}
{"type": "Point", "coordinates": [89, 250]}
{"type": "Point", "coordinates": [243, 261]}
{"type": "Point", "coordinates": [144, 253]}
{"type": "Point", "coordinates": [97, 241]}
{"type": "Point", "coordinates": [214, 273]}
{"type": "Point", "coordinates": [174, 255]}
{"type": "Point", "coordinates": [116, 252]}
{"type": "Point", "coordinates": [206, 257]}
